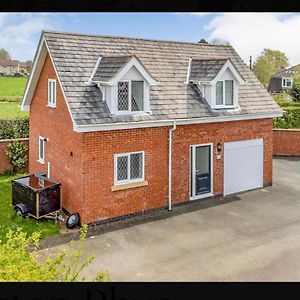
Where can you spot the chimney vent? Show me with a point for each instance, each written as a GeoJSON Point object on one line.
{"type": "Point", "coordinates": [203, 41]}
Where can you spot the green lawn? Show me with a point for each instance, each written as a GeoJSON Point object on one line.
{"type": "Point", "coordinates": [12, 87]}
{"type": "Point", "coordinates": [9, 220]}
{"type": "Point", "coordinates": [11, 110]}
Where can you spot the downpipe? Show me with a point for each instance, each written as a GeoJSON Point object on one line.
{"type": "Point", "coordinates": [170, 165]}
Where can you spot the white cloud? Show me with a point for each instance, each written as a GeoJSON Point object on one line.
{"type": "Point", "coordinates": [20, 33]}
{"type": "Point", "coordinates": [200, 14]}
{"type": "Point", "coordinates": [250, 33]}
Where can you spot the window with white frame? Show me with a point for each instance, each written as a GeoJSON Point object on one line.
{"type": "Point", "coordinates": [286, 82]}
{"type": "Point", "coordinates": [129, 167]}
{"type": "Point", "coordinates": [130, 96]}
{"type": "Point", "coordinates": [52, 92]}
{"type": "Point", "coordinates": [41, 154]}
{"type": "Point", "coordinates": [224, 93]}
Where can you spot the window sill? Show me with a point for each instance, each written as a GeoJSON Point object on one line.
{"type": "Point", "coordinates": [225, 107]}
{"type": "Point", "coordinates": [41, 162]}
{"type": "Point", "coordinates": [51, 106]}
{"type": "Point", "coordinates": [129, 185]}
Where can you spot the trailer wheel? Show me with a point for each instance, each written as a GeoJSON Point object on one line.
{"type": "Point", "coordinates": [19, 212]}
{"type": "Point", "coordinates": [73, 220]}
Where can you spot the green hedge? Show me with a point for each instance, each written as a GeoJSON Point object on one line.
{"type": "Point", "coordinates": [14, 129]}
{"type": "Point", "coordinates": [290, 118]}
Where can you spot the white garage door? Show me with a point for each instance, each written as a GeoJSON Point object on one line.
{"type": "Point", "coordinates": [243, 165]}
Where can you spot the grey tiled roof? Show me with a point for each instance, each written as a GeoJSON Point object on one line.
{"type": "Point", "coordinates": [109, 67]}
{"type": "Point", "coordinates": [75, 57]}
{"type": "Point", "coordinates": [206, 69]}
{"type": "Point", "coordinates": [290, 72]}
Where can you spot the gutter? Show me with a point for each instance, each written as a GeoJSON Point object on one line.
{"type": "Point", "coordinates": [159, 123]}
{"type": "Point", "coordinates": [170, 166]}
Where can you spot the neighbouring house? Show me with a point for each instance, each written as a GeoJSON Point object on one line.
{"type": "Point", "coordinates": [9, 67]}
{"type": "Point", "coordinates": [283, 80]}
{"type": "Point", "coordinates": [128, 125]}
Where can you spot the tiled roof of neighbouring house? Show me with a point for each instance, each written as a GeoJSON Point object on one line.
{"type": "Point", "coordinates": [75, 57]}
{"type": "Point", "coordinates": [8, 62]}
{"type": "Point", "coordinates": [290, 72]}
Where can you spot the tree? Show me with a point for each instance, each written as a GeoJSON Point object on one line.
{"type": "Point", "coordinates": [4, 54]}
{"type": "Point", "coordinates": [269, 62]}
{"type": "Point", "coordinates": [296, 86]}
{"type": "Point", "coordinates": [219, 42]}
{"type": "Point", "coordinates": [17, 263]}
{"type": "Point", "coordinates": [29, 64]}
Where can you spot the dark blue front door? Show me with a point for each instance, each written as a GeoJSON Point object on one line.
{"type": "Point", "coordinates": [202, 164]}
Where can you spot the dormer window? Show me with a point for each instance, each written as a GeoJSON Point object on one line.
{"type": "Point", "coordinates": [130, 96]}
{"type": "Point", "coordinates": [224, 93]}
{"type": "Point", "coordinates": [218, 80]}
{"type": "Point", "coordinates": [124, 83]}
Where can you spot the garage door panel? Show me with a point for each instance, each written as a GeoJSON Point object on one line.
{"type": "Point", "coordinates": [243, 166]}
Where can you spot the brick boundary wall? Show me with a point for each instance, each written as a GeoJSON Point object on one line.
{"type": "Point", "coordinates": [4, 162]}
{"type": "Point", "coordinates": [286, 142]}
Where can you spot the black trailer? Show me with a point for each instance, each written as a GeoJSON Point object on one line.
{"type": "Point", "coordinates": [36, 195]}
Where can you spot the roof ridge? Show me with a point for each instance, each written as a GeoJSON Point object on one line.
{"type": "Point", "coordinates": [135, 38]}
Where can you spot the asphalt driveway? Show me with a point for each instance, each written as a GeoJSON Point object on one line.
{"type": "Point", "coordinates": [254, 238]}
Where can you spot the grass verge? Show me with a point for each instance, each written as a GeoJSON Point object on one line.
{"type": "Point", "coordinates": [11, 110]}
{"type": "Point", "coordinates": [12, 86]}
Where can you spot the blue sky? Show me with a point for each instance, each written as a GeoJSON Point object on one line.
{"type": "Point", "coordinates": [249, 33]}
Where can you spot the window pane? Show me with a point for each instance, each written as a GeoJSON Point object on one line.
{"type": "Point", "coordinates": [49, 91]}
{"type": "Point", "coordinates": [288, 82]}
{"type": "Point", "coordinates": [228, 92]}
{"type": "Point", "coordinates": [52, 92]}
{"type": "Point", "coordinates": [136, 165]}
{"type": "Point", "coordinates": [41, 148]}
{"type": "Point", "coordinates": [219, 93]}
{"type": "Point", "coordinates": [123, 96]}
{"type": "Point", "coordinates": [137, 95]}
{"type": "Point", "coordinates": [122, 168]}
{"type": "Point", "coordinates": [54, 87]}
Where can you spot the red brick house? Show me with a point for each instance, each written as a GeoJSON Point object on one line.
{"type": "Point", "coordinates": [129, 125]}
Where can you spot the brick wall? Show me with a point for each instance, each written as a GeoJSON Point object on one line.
{"type": "Point", "coordinates": [286, 142]}
{"type": "Point", "coordinates": [4, 162]}
{"type": "Point", "coordinates": [100, 147]}
{"type": "Point", "coordinates": [63, 150]}
{"type": "Point", "coordinates": [84, 162]}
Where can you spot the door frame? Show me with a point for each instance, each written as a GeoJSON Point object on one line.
{"type": "Point", "coordinates": [193, 196]}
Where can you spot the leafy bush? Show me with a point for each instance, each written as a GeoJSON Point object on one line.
{"type": "Point", "coordinates": [17, 263]}
{"type": "Point", "coordinates": [14, 129]}
{"type": "Point", "coordinates": [296, 88]}
{"type": "Point", "coordinates": [290, 118]}
{"type": "Point", "coordinates": [283, 99]}
{"type": "Point", "coordinates": [17, 155]}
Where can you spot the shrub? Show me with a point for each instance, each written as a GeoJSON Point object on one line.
{"type": "Point", "coordinates": [17, 155]}
{"type": "Point", "coordinates": [14, 129]}
{"type": "Point", "coordinates": [282, 98]}
{"type": "Point", "coordinates": [290, 118]}
{"type": "Point", "coordinates": [17, 263]}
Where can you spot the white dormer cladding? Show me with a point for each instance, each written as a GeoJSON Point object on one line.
{"type": "Point", "coordinates": [217, 82]}
{"type": "Point", "coordinates": [130, 81]}
{"type": "Point", "coordinates": [133, 75]}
